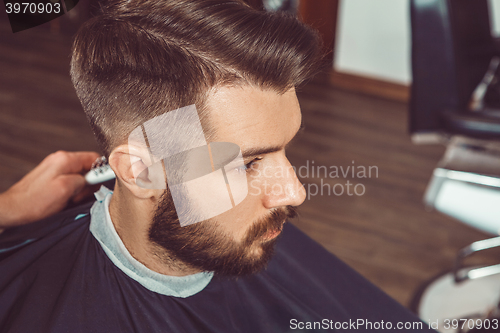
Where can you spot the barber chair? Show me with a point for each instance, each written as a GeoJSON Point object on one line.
{"type": "Point", "coordinates": [455, 100]}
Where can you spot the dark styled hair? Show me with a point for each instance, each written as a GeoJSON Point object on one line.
{"type": "Point", "coordinates": [141, 58]}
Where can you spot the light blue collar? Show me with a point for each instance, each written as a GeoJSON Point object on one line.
{"type": "Point", "coordinates": [104, 231]}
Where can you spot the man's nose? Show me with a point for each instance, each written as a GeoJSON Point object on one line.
{"type": "Point", "coordinates": [284, 191]}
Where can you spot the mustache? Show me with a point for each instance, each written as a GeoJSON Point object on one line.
{"type": "Point", "coordinates": [274, 221]}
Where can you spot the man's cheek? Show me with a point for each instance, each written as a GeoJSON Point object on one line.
{"type": "Point", "coordinates": [255, 189]}
{"type": "Point", "coordinates": [201, 199]}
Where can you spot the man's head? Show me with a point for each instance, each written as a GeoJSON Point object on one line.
{"type": "Point", "coordinates": [240, 240]}
{"type": "Point", "coordinates": [239, 67]}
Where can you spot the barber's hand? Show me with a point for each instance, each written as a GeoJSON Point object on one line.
{"type": "Point", "coordinates": [46, 189]}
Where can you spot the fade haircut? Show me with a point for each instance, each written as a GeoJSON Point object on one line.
{"type": "Point", "coordinates": [139, 58]}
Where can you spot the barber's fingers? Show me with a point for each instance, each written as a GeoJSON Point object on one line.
{"type": "Point", "coordinates": [43, 197]}
{"type": "Point", "coordinates": [75, 188]}
{"type": "Point", "coordinates": [67, 186]}
{"type": "Point", "coordinates": [72, 162]}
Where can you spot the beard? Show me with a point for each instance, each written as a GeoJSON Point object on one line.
{"type": "Point", "coordinates": [205, 246]}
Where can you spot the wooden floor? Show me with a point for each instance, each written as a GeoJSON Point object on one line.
{"type": "Point", "coordinates": [385, 234]}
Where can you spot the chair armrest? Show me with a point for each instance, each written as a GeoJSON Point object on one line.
{"type": "Point", "coordinates": [472, 124]}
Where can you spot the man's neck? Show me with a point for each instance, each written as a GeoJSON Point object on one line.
{"type": "Point", "coordinates": [131, 218]}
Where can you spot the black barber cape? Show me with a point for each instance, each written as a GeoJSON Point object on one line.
{"type": "Point", "coordinates": [55, 277]}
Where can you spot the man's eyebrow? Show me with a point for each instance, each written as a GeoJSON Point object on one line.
{"type": "Point", "coordinates": [260, 151]}
{"type": "Point", "coordinates": [251, 152]}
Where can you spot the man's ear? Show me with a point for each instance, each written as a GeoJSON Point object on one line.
{"type": "Point", "coordinates": [134, 167]}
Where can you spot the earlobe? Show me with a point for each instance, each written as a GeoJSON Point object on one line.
{"type": "Point", "coordinates": [132, 165]}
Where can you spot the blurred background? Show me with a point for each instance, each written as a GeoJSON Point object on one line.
{"type": "Point", "coordinates": [356, 114]}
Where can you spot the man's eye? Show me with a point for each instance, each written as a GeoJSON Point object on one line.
{"type": "Point", "coordinates": [250, 165]}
